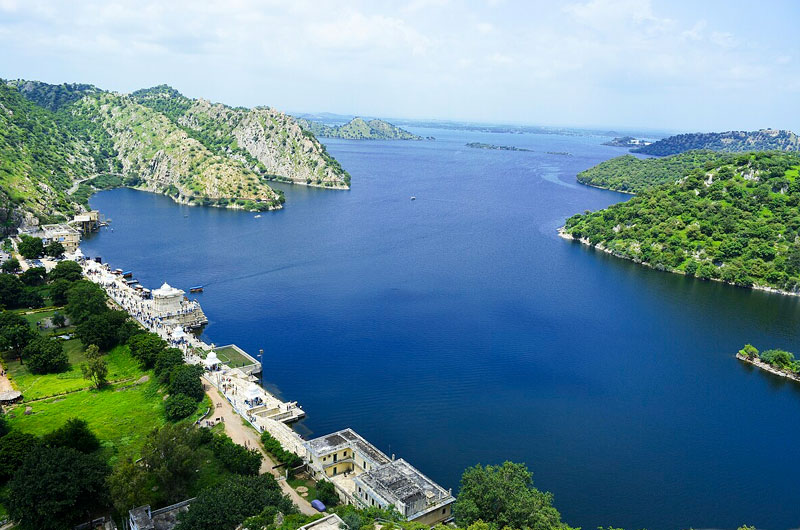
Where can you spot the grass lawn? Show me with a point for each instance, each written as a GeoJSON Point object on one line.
{"type": "Point", "coordinates": [310, 484]}
{"type": "Point", "coordinates": [120, 366]}
{"type": "Point", "coordinates": [231, 357]}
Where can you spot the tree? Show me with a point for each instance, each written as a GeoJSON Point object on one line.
{"type": "Point", "coordinates": [58, 291]}
{"type": "Point", "coordinates": [11, 291]}
{"type": "Point", "coordinates": [237, 458]}
{"type": "Point", "coordinates": [56, 487]}
{"type": "Point", "coordinates": [166, 360]}
{"type": "Point", "coordinates": [179, 406]}
{"type": "Point", "coordinates": [129, 486]}
{"type": "Point", "coordinates": [102, 329]}
{"type": "Point", "coordinates": [14, 446]}
{"type": "Point", "coordinates": [185, 379]}
{"type": "Point", "coordinates": [58, 320]}
{"type": "Point", "coordinates": [10, 265]}
{"type": "Point", "coordinates": [749, 351]}
{"type": "Point", "coordinates": [75, 433]}
{"type": "Point", "coordinates": [170, 456]}
{"type": "Point", "coordinates": [4, 428]}
{"type": "Point", "coordinates": [30, 247]}
{"type": "Point", "coordinates": [145, 348]}
{"type": "Point", "coordinates": [504, 496]}
{"type": "Point", "coordinates": [15, 333]}
{"type": "Point", "coordinates": [326, 492]}
{"type": "Point", "coordinates": [45, 355]}
{"type": "Point", "coordinates": [34, 276]}
{"type": "Point", "coordinates": [66, 270]}
{"type": "Point", "coordinates": [85, 299]}
{"type": "Point", "coordinates": [226, 505]}
{"type": "Point", "coordinates": [95, 369]}
{"type": "Point", "coordinates": [55, 249]}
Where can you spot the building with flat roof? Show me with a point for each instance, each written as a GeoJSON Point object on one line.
{"type": "Point", "coordinates": [64, 234]}
{"type": "Point", "coordinates": [364, 476]}
{"type": "Point", "coordinates": [329, 522]}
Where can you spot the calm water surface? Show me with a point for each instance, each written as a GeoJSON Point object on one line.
{"type": "Point", "coordinates": [458, 329]}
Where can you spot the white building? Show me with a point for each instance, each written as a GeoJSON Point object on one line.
{"type": "Point", "coordinates": [64, 234]}
{"type": "Point", "coordinates": [167, 299]}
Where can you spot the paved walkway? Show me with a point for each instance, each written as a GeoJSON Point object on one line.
{"type": "Point", "coordinates": [245, 435]}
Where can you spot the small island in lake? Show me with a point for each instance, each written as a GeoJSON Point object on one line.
{"type": "Point", "coordinates": [778, 362]}
{"type": "Point", "coordinates": [479, 145]}
{"type": "Point", "coordinates": [359, 129]}
{"type": "Point", "coordinates": [627, 141]}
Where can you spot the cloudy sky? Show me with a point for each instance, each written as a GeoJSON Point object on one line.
{"type": "Point", "coordinates": [679, 65]}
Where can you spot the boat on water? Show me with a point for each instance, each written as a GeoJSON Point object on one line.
{"type": "Point", "coordinates": [118, 272]}
{"type": "Point", "coordinates": [196, 289]}
{"type": "Point", "coordinates": [257, 216]}
{"type": "Point", "coordinates": [127, 274]}
{"type": "Point", "coordinates": [413, 198]}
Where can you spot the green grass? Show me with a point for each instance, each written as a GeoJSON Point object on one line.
{"type": "Point", "coordinates": [120, 366]}
{"type": "Point", "coordinates": [231, 357]}
{"type": "Point", "coordinates": [310, 484]}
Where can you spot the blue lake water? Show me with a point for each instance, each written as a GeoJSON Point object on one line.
{"type": "Point", "coordinates": [459, 329]}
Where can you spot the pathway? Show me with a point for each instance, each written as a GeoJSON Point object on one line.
{"type": "Point", "coordinates": [244, 434]}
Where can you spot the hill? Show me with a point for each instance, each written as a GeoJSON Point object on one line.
{"type": "Point", "coordinates": [53, 137]}
{"type": "Point", "coordinates": [359, 129]}
{"type": "Point", "coordinates": [738, 222]}
{"type": "Point", "coordinates": [629, 174]}
{"type": "Point", "coordinates": [730, 142]}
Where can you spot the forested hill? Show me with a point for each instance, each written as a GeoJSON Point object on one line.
{"type": "Point", "coordinates": [738, 222]}
{"type": "Point", "coordinates": [629, 174]}
{"type": "Point", "coordinates": [359, 129]}
{"type": "Point", "coordinates": [731, 142]}
{"type": "Point", "coordinates": [59, 142]}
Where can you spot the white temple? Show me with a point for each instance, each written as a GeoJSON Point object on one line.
{"type": "Point", "coordinates": [167, 299]}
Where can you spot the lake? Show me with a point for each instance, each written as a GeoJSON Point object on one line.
{"type": "Point", "coordinates": [459, 329]}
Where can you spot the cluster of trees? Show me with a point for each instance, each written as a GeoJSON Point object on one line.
{"type": "Point", "coordinates": [731, 141]}
{"type": "Point", "coordinates": [633, 175]}
{"type": "Point", "coordinates": [274, 447]}
{"type": "Point", "coordinates": [780, 359]}
{"type": "Point", "coordinates": [739, 223]}
{"type": "Point", "coordinates": [32, 247]}
{"type": "Point", "coordinates": [55, 481]}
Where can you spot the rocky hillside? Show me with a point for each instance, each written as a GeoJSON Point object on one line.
{"type": "Point", "coordinates": [731, 142]}
{"type": "Point", "coordinates": [268, 142]}
{"type": "Point", "coordinates": [359, 129]}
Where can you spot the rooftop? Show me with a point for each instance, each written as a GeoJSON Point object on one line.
{"type": "Point", "coordinates": [58, 228]}
{"type": "Point", "coordinates": [329, 522]}
{"type": "Point", "coordinates": [399, 481]}
{"type": "Point", "coordinates": [331, 443]}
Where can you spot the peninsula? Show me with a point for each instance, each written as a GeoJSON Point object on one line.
{"type": "Point", "coordinates": [729, 142]}
{"type": "Point", "coordinates": [779, 362]}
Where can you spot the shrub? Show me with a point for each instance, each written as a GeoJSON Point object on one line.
{"type": "Point", "coordinates": [238, 459]}
{"type": "Point", "coordinates": [179, 406]}
{"type": "Point", "coordinates": [45, 356]}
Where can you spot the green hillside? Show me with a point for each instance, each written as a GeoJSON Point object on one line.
{"type": "Point", "coordinates": [730, 142]}
{"type": "Point", "coordinates": [738, 222]}
{"type": "Point", "coordinates": [359, 129]}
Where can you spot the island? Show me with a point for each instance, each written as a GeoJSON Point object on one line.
{"type": "Point", "coordinates": [358, 129]}
{"type": "Point", "coordinates": [626, 141]}
{"type": "Point", "coordinates": [730, 142]}
{"type": "Point", "coordinates": [778, 362]}
{"type": "Point", "coordinates": [479, 145]}
{"type": "Point", "coordinates": [733, 220]}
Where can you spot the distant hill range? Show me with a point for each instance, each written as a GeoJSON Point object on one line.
{"type": "Point", "coordinates": [358, 129]}
{"type": "Point", "coordinates": [58, 143]}
{"type": "Point", "coordinates": [627, 141]}
{"type": "Point", "coordinates": [729, 142]}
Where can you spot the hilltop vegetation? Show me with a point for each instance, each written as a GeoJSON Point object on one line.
{"type": "Point", "coordinates": [629, 174]}
{"type": "Point", "coordinates": [738, 222]}
{"type": "Point", "coordinates": [359, 129]}
{"type": "Point", "coordinates": [53, 137]}
{"type": "Point", "coordinates": [731, 142]}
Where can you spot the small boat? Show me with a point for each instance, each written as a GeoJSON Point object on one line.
{"type": "Point", "coordinates": [127, 274]}
{"type": "Point", "coordinates": [413, 198]}
{"type": "Point", "coordinates": [196, 289]}
{"type": "Point", "coordinates": [118, 272]}
{"type": "Point", "coordinates": [257, 216]}
{"type": "Point", "coordinates": [131, 282]}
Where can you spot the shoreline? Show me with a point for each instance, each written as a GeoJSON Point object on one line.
{"type": "Point", "coordinates": [562, 233]}
{"type": "Point", "coordinates": [769, 368]}
{"type": "Point", "coordinates": [632, 194]}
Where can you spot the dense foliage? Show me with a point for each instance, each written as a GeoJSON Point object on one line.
{"type": "Point", "coordinates": [274, 447]}
{"type": "Point", "coordinates": [739, 223]}
{"type": "Point", "coordinates": [731, 141]}
{"type": "Point", "coordinates": [632, 175]}
{"type": "Point", "coordinates": [780, 359]}
{"type": "Point", "coordinates": [237, 458]}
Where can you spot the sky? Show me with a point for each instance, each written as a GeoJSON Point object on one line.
{"type": "Point", "coordinates": [670, 65]}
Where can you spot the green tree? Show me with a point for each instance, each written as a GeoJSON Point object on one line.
{"type": "Point", "coordinates": [33, 276]}
{"type": "Point", "coordinates": [14, 446]}
{"type": "Point", "coordinates": [226, 505]}
{"type": "Point", "coordinates": [102, 329]}
{"type": "Point", "coordinates": [179, 406]}
{"type": "Point", "coordinates": [95, 369]}
{"type": "Point", "coordinates": [10, 265]}
{"type": "Point", "coordinates": [171, 458]}
{"type": "Point", "coordinates": [185, 379]}
{"type": "Point", "coordinates": [145, 348]}
{"type": "Point", "coordinates": [75, 433]}
{"type": "Point", "coordinates": [237, 458]}
{"type": "Point", "coordinates": [749, 351]}
{"type": "Point", "coordinates": [66, 270]}
{"type": "Point", "coordinates": [166, 360]}
{"type": "Point", "coordinates": [503, 496]}
{"type": "Point", "coordinates": [4, 428]}
{"type": "Point", "coordinates": [326, 492]}
{"type": "Point", "coordinates": [56, 487]}
{"type": "Point", "coordinates": [55, 249]}
{"type": "Point", "coordinates": [85, 299]}
{"type": "Point", "coordinates": [15, 333]}
{"type": "Point", "coordinates": [11, 291]}
{"type": "Point", "coordinates": [30, 247]}
{"type": "Point", "coordinates": [130, 486]}
{"type": "Point", "coordinates": [58, 320]}
{"type": "Point", "coordinates": [45, 355]}
{"type": "Point", "coordinates": [58, 291]}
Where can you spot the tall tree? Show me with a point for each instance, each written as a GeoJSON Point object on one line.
{"type": "Point", "coordinates": [95, 369]}
{"type": "Point", "coordinates": [66, 270]}
{"type": "Point", "coordinates": [15, 333]}
{"type": "Point", "coordinates": [85, 299]}
{"type": "Point", "coordinates": [54, 249]}
{"type": "Point", "coordinates": [11, 291]}
{"type": "Point", "coordinates": [45, 355]}
{"type": "Point", "coordinates": [30, 247]}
